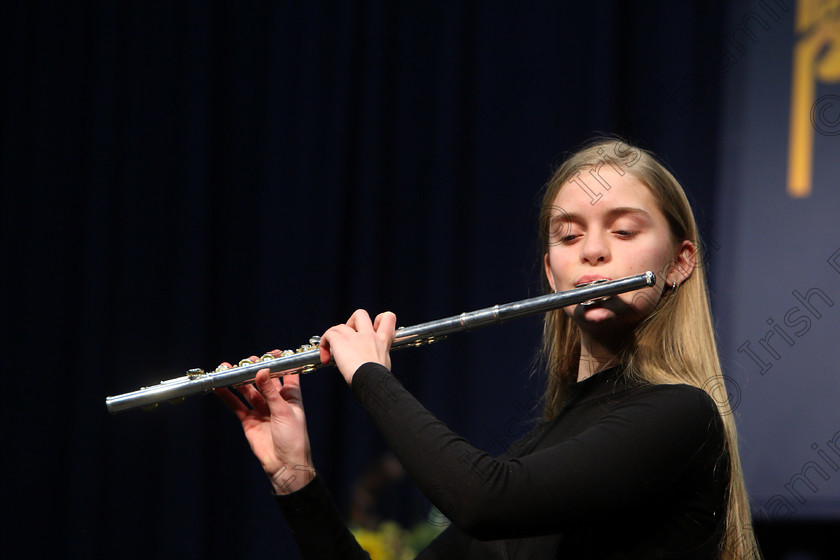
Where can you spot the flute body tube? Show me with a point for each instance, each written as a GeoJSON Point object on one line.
{"type": "Point", "coordinates": [307, 358]}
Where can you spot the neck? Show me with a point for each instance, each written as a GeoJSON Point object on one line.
{"type": "Point", "coordinates": [595, 356]}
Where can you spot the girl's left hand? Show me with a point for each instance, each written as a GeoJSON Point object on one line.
{"type": "Point", "coordinates": [359, 341]}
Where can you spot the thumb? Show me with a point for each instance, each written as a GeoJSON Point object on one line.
{"type": "Point", "coordinates": [385, 324]}
{"type": "Point", "coordinates": [290, 390]}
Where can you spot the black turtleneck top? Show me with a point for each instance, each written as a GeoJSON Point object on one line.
{"type": "Point", "coordinates": [623, 471]}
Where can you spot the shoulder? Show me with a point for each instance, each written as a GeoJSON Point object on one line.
{"type": "Point", "coordinates": [677, 396]}
{"type": "Point", "coordinates": [678, 411]}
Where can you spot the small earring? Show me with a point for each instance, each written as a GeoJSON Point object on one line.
{"type": "Point", "coordinates": [675, 285]}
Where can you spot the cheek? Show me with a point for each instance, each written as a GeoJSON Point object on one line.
{"type": "Point", "coordinates": [656, 258]}
{"type": "Point", "coordinates": [559, 261]}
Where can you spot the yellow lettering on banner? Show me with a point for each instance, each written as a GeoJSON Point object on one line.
{"type": "Point", "coordinates": [816, 56]}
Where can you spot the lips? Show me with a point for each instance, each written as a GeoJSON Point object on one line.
{"type": "Point", "coordinates": [590, 279]}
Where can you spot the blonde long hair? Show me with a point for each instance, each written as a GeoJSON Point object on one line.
{"type": "Point", "coordinates": [675, 344]}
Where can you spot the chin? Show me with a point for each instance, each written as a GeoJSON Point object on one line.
{"type": "Point", "coordinates": [601, 319]}
{"type": "Point", "coordinates": [593, 315]}
{"type": "Point", "coordinates": [598, 315]}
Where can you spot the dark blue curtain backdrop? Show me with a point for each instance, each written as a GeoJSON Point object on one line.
{"type": "Point", "coordinates": [196, 182]}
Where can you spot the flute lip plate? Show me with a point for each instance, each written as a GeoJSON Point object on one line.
{"type": "Point", "coordinates": [592, 283]}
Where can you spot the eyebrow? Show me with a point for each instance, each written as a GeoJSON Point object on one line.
{"type": "Point", "coordinates": [611, 214]}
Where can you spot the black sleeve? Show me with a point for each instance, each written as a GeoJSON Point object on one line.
{"type": "Point", "coordinates": [317, 525]}
{"type": "Point", "coordinates": [628, 457]}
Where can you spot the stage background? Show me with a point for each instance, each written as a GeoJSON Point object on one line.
{"type": "Point", "coordinates": [183, 185]}
{"type": "Point", "coordinates": [778, 253]}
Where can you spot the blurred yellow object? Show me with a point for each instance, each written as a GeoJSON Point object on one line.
{"type": "Point", "coordinates": [373, 543]}
{"type": "Point", "coordinates": [390, 541]}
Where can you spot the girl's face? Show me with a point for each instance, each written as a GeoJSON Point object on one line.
{"type": "Point", "coordinates": [623, 233]}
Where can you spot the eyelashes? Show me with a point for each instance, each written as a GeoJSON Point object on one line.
{"type": "Point", "coordinates": [561, 228]}
{"type": "Point", "coordinates": [571, 237]}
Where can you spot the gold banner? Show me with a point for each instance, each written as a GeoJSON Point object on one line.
{"type": "Point", "coordinates": [816, 57]}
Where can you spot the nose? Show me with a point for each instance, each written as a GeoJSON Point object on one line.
{"type": "Point", "coordinates": [594, 249]}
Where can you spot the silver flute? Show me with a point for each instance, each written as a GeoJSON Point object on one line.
{"type": "Point", "coordinates": [306, 358]}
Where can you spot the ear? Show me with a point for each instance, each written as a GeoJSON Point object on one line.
{"type": "Point", "coordinates": [548, 274]}
{"type": "Point", "coordinates": [683, 263]}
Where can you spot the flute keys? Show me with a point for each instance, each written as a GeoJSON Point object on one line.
{"type": "Point", "coordinates": [428, 340]}
{"type": "Point", "coordinates": [314, 342]}
{"type": "Point", "coordinates": [195, 373]}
